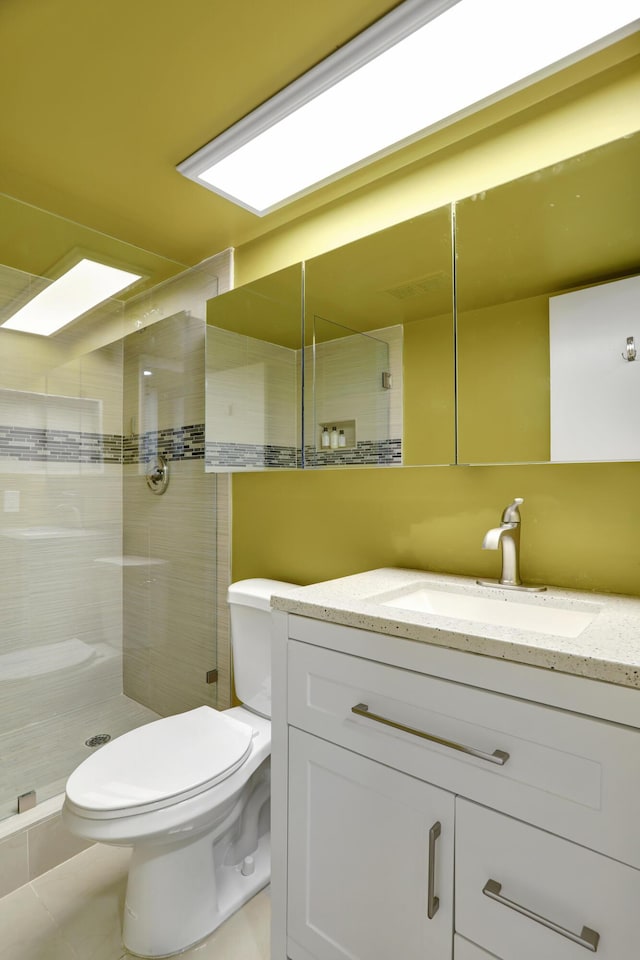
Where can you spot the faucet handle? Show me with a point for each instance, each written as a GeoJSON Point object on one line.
{"type": "Point", "coordinates": [512, 513]}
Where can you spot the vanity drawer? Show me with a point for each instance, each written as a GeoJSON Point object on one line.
{"type": "Point", "coordinates": [565, 772]}
{"type": "Point", "coordinates": [524, 894]}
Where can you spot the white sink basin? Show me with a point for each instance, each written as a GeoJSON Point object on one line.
{"type": "Point", "coordinates": [519, 611]}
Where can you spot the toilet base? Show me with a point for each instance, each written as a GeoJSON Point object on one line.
{"type": "Point", "coordinates": [165, 911]}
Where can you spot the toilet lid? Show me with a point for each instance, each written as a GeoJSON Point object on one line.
{"type": "Point", "coordinates": [157, 764]}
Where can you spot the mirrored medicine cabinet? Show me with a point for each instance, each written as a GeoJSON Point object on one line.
{"type": "Point", "coordinates": [386, 354]}
{"type": "Point", "coordinates": [253, 382]}
{"type": "Point", "coordinates": [546, 299]}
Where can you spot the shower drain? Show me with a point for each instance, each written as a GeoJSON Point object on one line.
{"type": "Point", "coordinates": [98, 740]}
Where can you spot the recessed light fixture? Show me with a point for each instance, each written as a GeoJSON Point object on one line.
{"type": "Point", "coordinates": [147, 373]}
{"type": "Point", "coordinates": [426, 63]}
{"type": "Point", "coordinates": [77, 291]}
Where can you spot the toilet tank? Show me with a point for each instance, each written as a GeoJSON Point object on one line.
{"type": "Point", "coordinates": [249, 611]}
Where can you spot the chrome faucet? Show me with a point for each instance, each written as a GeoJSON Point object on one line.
{"type": "Point", "coordinates": [507, 536]}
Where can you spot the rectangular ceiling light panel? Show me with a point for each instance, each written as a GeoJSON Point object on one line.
{"type": "Point", "coordinates": [425, 63]}
{"type": "Point", "coordinates": [77, 291]}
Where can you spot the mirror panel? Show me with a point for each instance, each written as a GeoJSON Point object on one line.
{"type": "Point", "coordinates": [395, 287]}
{"type": "Point", "coordinates": [349, 372]}
{"type": "Point", "coordinates": [253, 375]}
{"type": "Point", "coordinates": [526, 394]}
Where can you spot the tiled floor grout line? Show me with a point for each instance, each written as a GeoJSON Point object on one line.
{"type": "Point", "coordinates": [72, 953]}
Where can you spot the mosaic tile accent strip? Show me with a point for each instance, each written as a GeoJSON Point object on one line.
{"type": "Point", "coordinates": [173, 443]}
{"type": "Point", "coordinates": [179, 443]}
{"type": "Point", "coordinates": [248, 455]}
{"type": "Point", "coordinates": [73, 446]}
{"type": "Point", "coordinates": [253, 455]}
{"type": "Point", "coordinates": [62, 446]}
{"type": "Point", "coordinates": [371, 452]}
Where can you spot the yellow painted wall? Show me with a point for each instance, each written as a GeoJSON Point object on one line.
{"type": "Point", "coordinates": [580, 526]}
{"type": "Point", "coordinates": [581, 522]}
{"type": "Point", "coordinates": [503, 384]}
{"type": "Point", "coordinates": [428, 391]}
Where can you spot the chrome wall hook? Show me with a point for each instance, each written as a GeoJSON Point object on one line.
{"type": "Point", "coordinates": [158, 478]}
{"type": "Point", "coordinates": [630, 353]}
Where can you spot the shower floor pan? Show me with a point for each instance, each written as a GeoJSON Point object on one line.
{"type": "Point", "coordinates": [41, 756]}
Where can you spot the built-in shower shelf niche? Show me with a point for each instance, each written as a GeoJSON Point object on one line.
{"type": "Point", "coordinates": [349, 429]}
{"type": "Point", "coordinates": [46, 429]}
{"type": "Point", "coordinates": [25, 408]}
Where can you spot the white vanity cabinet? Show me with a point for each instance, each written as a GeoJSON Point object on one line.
{"type": "Point", "coordinates": [437, 805]}
{"type": "Point", "coordinates": [524, 893]}
{"type": "Point", "coordinates": [370, 863]}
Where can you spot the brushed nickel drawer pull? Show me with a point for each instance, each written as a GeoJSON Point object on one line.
{"type": "Point", "coordinates": [587, 938]}
{"type": "Point", "coordinates": [498, 756]}
{"type": "Point", "coordinates": [433, 902]}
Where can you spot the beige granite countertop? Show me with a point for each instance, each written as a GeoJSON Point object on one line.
{"type": "Point", "coordinates": [607, 648]}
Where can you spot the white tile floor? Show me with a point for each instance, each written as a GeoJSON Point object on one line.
{"type": "Point", "coordinates": [74, 911]}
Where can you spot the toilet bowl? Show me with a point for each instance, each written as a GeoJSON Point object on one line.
{"type": "Point", "coordinates": [190, 794]}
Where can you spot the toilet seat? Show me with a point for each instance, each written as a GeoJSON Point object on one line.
{"type": "Point", "coordinates": [159, 764]}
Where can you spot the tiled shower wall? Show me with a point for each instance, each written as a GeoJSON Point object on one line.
{"type": "Point", "coordinates": [175, 562]}
{"type": "Point", "coordinates": [168, 561]}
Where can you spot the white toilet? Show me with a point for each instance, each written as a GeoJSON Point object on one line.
{"type": "Point", "coordinates": [190, 794]}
